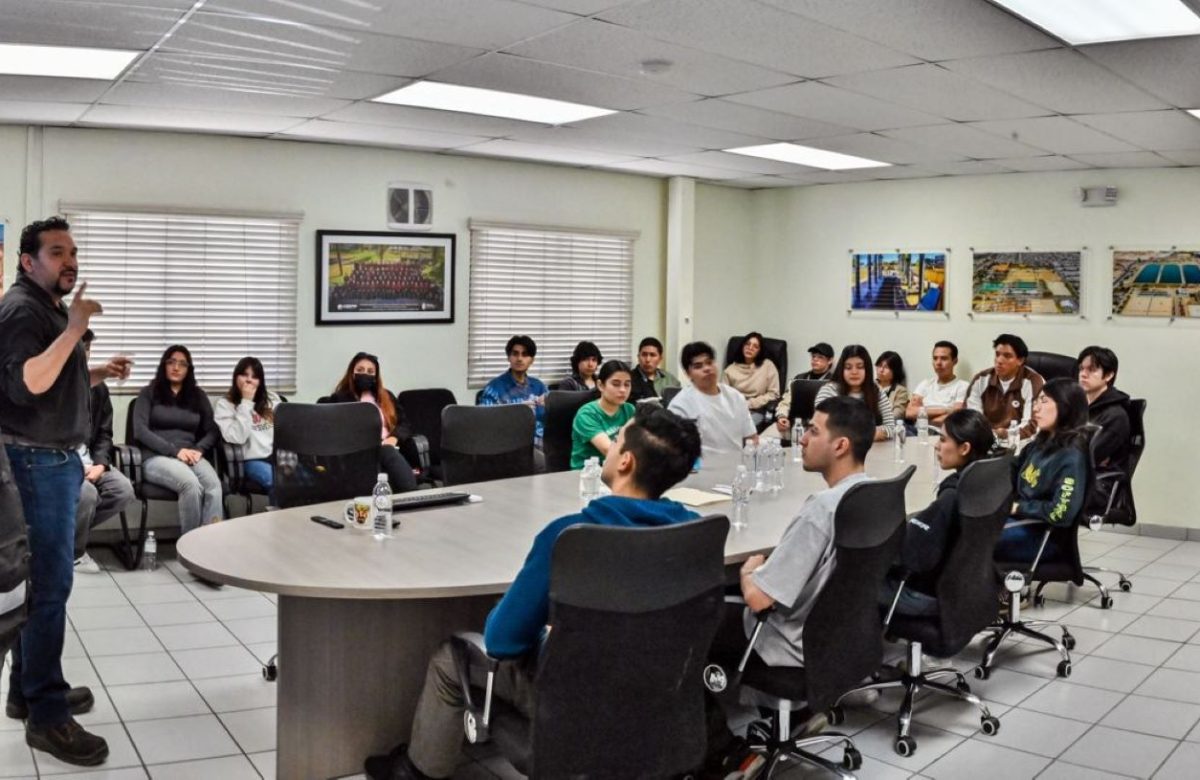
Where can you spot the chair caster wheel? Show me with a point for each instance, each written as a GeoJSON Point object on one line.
{"type": "Point", "coordinates": [837, 715]}
{"type": "Point", "coordinates": [1068, 641]}
{"type": "Point", "coordinates": [989, 725]}
{"type": "Point", "coordinates": [1106, 602]}
{"type": "Point", "coordinates": [851, 759]}
{"type": "Point", "coordinates": [982, 672]}
{"type": "Point", "coordinates": [270, 672]}
{"type": "Point", "coordinates": [1125, 585]}
{"type": "Point", "coordinates": [905, 746]}
{"type": "Point", "coordinates": [1064, 669]}
{"type": "Point", "coordinates": [1039, 600]}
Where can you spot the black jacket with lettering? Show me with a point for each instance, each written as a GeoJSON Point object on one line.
{"type": "Point", "coordinates": [1051, 482]}
{"type": "Point", "coordinates": [929, 536]}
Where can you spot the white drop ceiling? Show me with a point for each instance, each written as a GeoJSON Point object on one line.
{"type": "Point", "coordinates": [934, 87]}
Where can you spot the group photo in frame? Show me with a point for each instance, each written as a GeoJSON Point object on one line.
{"type": "Point", "coordinates": [898, 281]}
{"type": "Point", "coordinates": [384, 278]}
{"type": "Point", "coordinates": [1026, 282]}
{"type": "Point", "coordinates": [1156, 283]}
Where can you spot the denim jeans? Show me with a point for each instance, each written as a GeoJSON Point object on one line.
{"type": "Point", "coordinates": [261, 473]}
{"type": "Point", "coordinates": [912, 602]}
{"type": "Point", "coordinates": [1020, 543]}
{"type": "Point", "coordinates": [198, 488]}
{"type": "Point", "coordinates": [48, 481]}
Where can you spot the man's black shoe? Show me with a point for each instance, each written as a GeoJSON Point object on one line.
{"type": "Point", "coordinates": [394, 766]}
{"type": "Point", "coordinates": [79, 701]}
{"type": "Point", "coordinates": [68, 742]}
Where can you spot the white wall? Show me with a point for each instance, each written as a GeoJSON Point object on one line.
{"type": "Point", "coordinates": [726, 282]}
{"type": "Point", "coordinates": [802, 237]}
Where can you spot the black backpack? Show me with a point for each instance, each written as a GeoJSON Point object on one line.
{"type": "Point", "coordinates": [14, 559]}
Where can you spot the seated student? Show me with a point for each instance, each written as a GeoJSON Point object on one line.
{"type": "Point", "coordinates": [1005, 392]}
{"type": "Point", "coordinates": [944, 392]}
{"type": "Point", "coordinates": [245, 416]}
{"type": "Point", "coordinates": [966, 437]}
{"type": "Point", "coordinates": [754, 375]}
{"type": "Point", "coordinates": [516, 386]}
{"type": "Point", "coordinates": [1051, 472]}
{"type": "Point", "coordinates": [720, 411]}
{"type": "Point", "coordinates": [584, 361]}
{"type": "Point", "coordinates": [891, 378]}
{"type": "Point", "coordinates": [173, 424]}
{"type": "Point", "coordinates": [597, 422]}
{"type": "Point", "coordinates": [835, 444]}
{"type": "Point", "coordinates": [363, 382]}
{"type": "Point", "coordinates": [653, 452]}
{"type": "Point", "coordinates": [850, 378]}
{"type": "Point", "coordinates": [105, 491]}
{"type": "Point", "coordinates": [1107, 406]}
{"type": "Point", "coordinates": [649, 380]}
{"type": "Point", "coordinates": [820, 363]}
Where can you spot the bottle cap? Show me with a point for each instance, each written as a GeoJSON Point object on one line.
{"type": "Point", "coordinates": [382, 477]}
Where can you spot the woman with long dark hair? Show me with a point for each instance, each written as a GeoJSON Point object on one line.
{"type": "Point", "coordinates": [245, 415]}
{"type": "Point", "coordinates": [585, 361]}
{"type": "Point", "coordinates": [174, 427]}
{"type": "Point", "coordinates": [850, 378]}
{"type": "Point", "coordinates": [597, 422]}
{"type": "Point", "coordinates": [892, 381]}
{"type": "Point", "coordinates": [754, 375]}
{"type": "Point", "coordinates": [363, 382]}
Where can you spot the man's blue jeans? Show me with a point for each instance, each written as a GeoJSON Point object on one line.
{"type": "Point", "coordinates": [48, 481]}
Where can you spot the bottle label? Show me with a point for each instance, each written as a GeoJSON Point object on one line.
{"type": "Point", "coordinates": [383, 502]}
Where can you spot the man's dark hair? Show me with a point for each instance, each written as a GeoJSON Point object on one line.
{"type": "Point", "coordinates": [88, 336]}
{"type": "Point", "coordinates": [950, 346]}
{"type": "Point", "coordinates": [1103, 357]}
{"type": "Point", "coordinates": [650, 341]}
{"type": "Point", "coordinates": [1016, 342]}
{"type": "Point", "coordinates": [694, 350]}
{"type": "Point", "coordinates": [850, 417]}
{"type": "Point", "coordinates": [522, 341]}
{"type": "Point", "coordinates": [664, 445]}
{"type": "Point", "coordinates": [584, 350]}
{"type": "Point", "coordinates": [31, 236]}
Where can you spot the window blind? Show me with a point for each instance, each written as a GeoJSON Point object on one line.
{"type": "Point", "coordinates": [223, 286]}
{"type": "Point", "coordinates": [557, 285]}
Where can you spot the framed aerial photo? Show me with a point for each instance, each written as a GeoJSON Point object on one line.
{"type": "Point", "coordinates": [1026, 282]}
{"type": "Point", "coordinates": [898, 281]}
{"type": "Point", "coordinates": [384, 278]}
{"type": "Point", "coordinates": [1156, 283]}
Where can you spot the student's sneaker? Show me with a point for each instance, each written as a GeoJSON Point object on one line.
{"type": "Point", "coordinates": [68, 742]}
{"type": "Point", "coordinates": [79, 701]}
{"type": "Point", "coordinates": [85, 564]}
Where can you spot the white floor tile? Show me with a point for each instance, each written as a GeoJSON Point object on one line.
{"type": "Point", "coordinates": [1137, 649]}
{"type": "Point", "coordinates": [100, 596]}
{"type": "Point", "coordinates": [157, 700]}
{"type": "Point", "coordinates": [1154, 586]}
{"type": "Point", "coordinates": [876, 742]}
{"type": "Point", "coordinates": [1180, 609]}
{"type": "Point", "coordinates": [157, 594]}
{"type": "Point", "coordinates": [1167, 571]}
{"type": "Point", "coordinates": [1136, 603]}
{"type": "Point", "coordinates": [263, 650]}
{"type": "Point", "coordinates": [264, 763]}
{"type": "Point", "coordinates": [142, 577]}
{"type": "Point", "coordinates": [1187, 657]}
{"type": "Point", "coordinates": [181, 739]}
{"type": "Point", "coordinates": [1109, 674]}
{"type": "Point", "coordinates": [176, 613]}
{"type": "Point", "coordinates": [1182, 764]}
{"type": "Point", "coordinates": [1188, 590]}
{"type": "Point", "coordinates": [229, 694]}
{"type": "Point", "coordinates": [1136, 755]}
{"type": "Point", "coordinates": [84, 618]}
{"type": "Point", "coordinates": [128, 773]}
{"type": "Point", "coordinates": [254, 630]}
{"type": "Point", "coordinates": [1068, 700]}
{"type": "Point", "coordinates": [194, 636]}
{"type": "Point", "coordinates": [982, 760]}
{"type": "Point", "coordinates": [140, 668]}
{"type": "Point", "coordinates": [1163, 628]}
{"type": "Point", "coordinates": [227, 768]}
{"type": "Point", "coordinates": [119, 641]}
{"type": "Point", "coordinates": [1061, 770]}
{"type": "Point", "coordinates": [16, 759]}
{"type": "Point", "coordinates": [102, 713]}
{"type": "Point", "coordinates": [1008, 687]}
{"type": "Point", "coordinates": [1172, 684]}
{"type": "Point", "coordinates": [254, 730]}
{"type": "Point", "coordinates": [1153, 716]}
{"type": "Point", "coordinates": [120, 752]}
{"type": "Point", "coordinates": [233, 609]}
{"type": "Point", "coordinates": [1037, 732]}
{"type": "Point", "coordinates": [216, 662]}
{"type": "Point", "coordinates": [1108, 620]}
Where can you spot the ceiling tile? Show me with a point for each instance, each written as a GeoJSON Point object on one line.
{"type": "Point", "coordinates": [1061, 80]}
{"type": "Point", "coordinates": [609, 48]}
{"type": "Point", "coordinates": [1183, 157]}
{"type": "Point", "coordinates": [884, 149]}
{"type": "Point", "coordinates": [964, 140]}
{"type": "Point", "coordinates": [102, 25]}
{"type": "Point", "coordinates": [751, 32]}
{"type": "Point", "coordinates": [379, 135]}
{"type": "Point", "coordinates": [151, 117]}
{"type": "Point", "coordinates": [1165, 67]}
{"type": "Point", "coordinates": [1056, 134]}
{"type": "Point", "coordinates": [584, 7]}
{"type": "Point", "coordinates": [724, 115]}
{"type": "Point", "coordinates": [759, 183]}
{"type": "Point", "coordinates": [1125, 160]}
{"type": "Point", "coordinates": [837, 106]}
{"type": "Point", "coordinates": [43, 89]}
{"type": "Point", "coordinates": [871, 174]}
{"type": "Point", "coordinates": [1047, 163]}
{"type": "Point", "coordinates": [739, 162]}
{"type": "Point", "coordinates": [393, 56]}
{"type": "Point", "coordinates": [368, 113]}
{"type": "Point", "coordinates": [664, 168]}
{"type": "Point", "coordinates": [929, 29]}
{"type": "Point", "coordinates": [967, 168]}
{"type": "Point", "coordinates": [601, 140]}
{"type": "Point", "coordinates": [514, 74]}
{"type": "Point", "coordinates": [30, 112]}
{"type": "Point", "coordinates": [1151, 130]}
{"type": "Point", "coordinates": [215, 98]}
{"type": "Point", "coordinates": [543, 153]}
{"type": "Point", "coordinates": [651, 128]}
{"type": "Point", "coordinates": [935, 90]}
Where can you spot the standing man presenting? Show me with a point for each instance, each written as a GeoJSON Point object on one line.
{"type": "Point", "coordinates": [44, 391]}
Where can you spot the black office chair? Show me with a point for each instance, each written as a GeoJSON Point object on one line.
{"type": "Point", "coordinates": [668, 395]}
{"type": "Point", "coordinates": [481, 443]}
{"type": "Point", "coordinates": [325, 452]}
{"type": "Point", "coordinates": [424, 411]}
{"type": "Point", "coordinates": [966, 593]}
{"type": "Point", "coordinates": [1052, 365]}
{"type": "Point", "coordinates": [561, 406]}
{"type": "Point", "coordinates": [1113, 489]}
{"type": "Point", "coordinates": [843, 637]}
{"type": "Point", "coordinates": [619, 678]}
{"type": "Point", "coordinates": [775, 351]}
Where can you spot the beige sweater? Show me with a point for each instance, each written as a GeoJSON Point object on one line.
{"type": "Point", "coordinates": [760, 384]}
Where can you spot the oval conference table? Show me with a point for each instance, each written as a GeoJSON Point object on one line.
{"type": "Point", "coordinates": [359, 617]}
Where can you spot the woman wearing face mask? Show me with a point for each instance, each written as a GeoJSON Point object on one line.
{"type": "Point", "coordinates": [363, 382]}
{"type": "Point", "coordinates": [850, 378]}
{"type": "Point", "coordinates": [597, 422]}
{"type": "Point", "coordinates": [246, 417]}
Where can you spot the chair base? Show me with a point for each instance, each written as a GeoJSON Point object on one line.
{"type": "Point", "coordinates": [1013, 624]}
{"type": "Point", "coordinates": [778, 744]}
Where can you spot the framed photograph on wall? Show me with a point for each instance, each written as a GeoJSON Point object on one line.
{"type": "Point", "coordinates": [1156, 283]}
{"type": "Point", "coordinates": [1026, 282]}
{"type": "Point", "coordinates": [898, 281]}
{"type": "Point", "coordinates": [384, 278]}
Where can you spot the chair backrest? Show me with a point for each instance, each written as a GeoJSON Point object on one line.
{"type": "Point", "coordinates": [668, 395]}
{"type": "Point", "coordinates": [804, 398]}
{"type": "Point", "coordinates": [843, 635]}
{"type": "Point", "coordinates": [423, 408]}
{"type": "Point", "coordinates": [325, 452]}
{"type": "Point", "coordinates": [1137, 432]}
{"type": "Point", "coordinates": [480, 443]}
{"type": "Point", "coordinates": [775, 350]}
{"type": "Point", "coordinates": [1052, 365]}
{"type": "Point", "coordinates": [652, 597]}
{"type": "Point", "coordinates": [561, 406]}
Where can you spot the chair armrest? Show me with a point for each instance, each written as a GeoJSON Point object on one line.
{"type": "Point", "coordinates": [129, 462]}
{"type": "Point", "coordinates": [887, 621]}
{"type": "Point", "coordinates": [467, 647]}
{"type": "Point", "coordinates": [235, 468]}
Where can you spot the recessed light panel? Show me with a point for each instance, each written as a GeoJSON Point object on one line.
{"type": "Point", "coordinates": [64, 61]}
{"type": "Point", "coordinates": [490, 102]}
{"type": "Point", "coordinates": [806, 155]}
{"type": "Point", "coordinates": [1098, 21]}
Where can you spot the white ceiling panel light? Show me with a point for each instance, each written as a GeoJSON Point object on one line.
{"type": "Point", "coordinates": [1080, 22]}
{"type": "Point", "coordinates": [490, 102]}
{"type": "Point", "coordinates": [807, 155]}
{"type": "Point", "coordinates": [64, 61]}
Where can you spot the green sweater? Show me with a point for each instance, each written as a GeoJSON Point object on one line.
{"type": "Point", "coordinates": [590, 420]}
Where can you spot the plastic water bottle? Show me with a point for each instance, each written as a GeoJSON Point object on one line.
{"type": "Point", "coordinates": [922, 424]}
{"type": "Point", "coordinates": [797, 435]}
{"type": "Point", "coordinates": [778, 459]}
{"type": "Point", "coordinates": [589, 481]}
{"type": "Point", "coordinates": [382, 499]}
{"type": "Point", "coordinates": [150, 552]}
{"type": "Point", "coordinates": [898, 442]}
{"type": "Point", "coordinates": [1014, 436]}
{"type": "Point", "coordinates": [743, 487]}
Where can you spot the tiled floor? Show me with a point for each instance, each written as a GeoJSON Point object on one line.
{"type": "Point", "coordinates": [174, 666]}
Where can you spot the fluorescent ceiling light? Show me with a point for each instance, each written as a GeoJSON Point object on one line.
{"type": "Point", "coordinates": [1194, 112]}
{"type": "Point", "coordinates": [1097, 21]}
{"type": "Point", "coordinates": [64, 61]}
{"type": "Point", "coordinates": [807, 155]}
{"type": "Point", "coordinates": [490, 102]}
